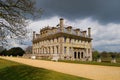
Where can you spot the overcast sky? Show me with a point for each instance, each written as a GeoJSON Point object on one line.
{"type": "Point", "coordinates": [103, 16]}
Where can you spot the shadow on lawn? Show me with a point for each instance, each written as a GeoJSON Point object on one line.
{"type": "Point", "coordinates": [23, 72]}
{"type": "Point", "coordinates": [14, 71]}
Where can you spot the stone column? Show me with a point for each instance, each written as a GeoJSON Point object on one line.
{"type": "Point", "coordinates": [38, 50]}
{"type": "Point", "coordinates": [80, 54]}
{"type": "Point", "coordinates": [51, 50]}
{"type": "Point", "coordinates": [58, 49]}
{"type": "Point", "coordinates": [43, 51]}
{"type": "Point", "coordinates": [35, 51]}
{"type": "Point", "coordinates": [90, 54]}
{"type": "Point", "coordinates": [76, 55]}
{"type": "Point", "coordinates": [72, 53]}
{"type": "Point", "coordinates": [48, 50]}
{"type": "Point", "coordinates": [86, 52]}
{"type": "Point", "coordinates": [61, 45]}
{"type": "Point", "coordinates": [55, 50]}
{"type": "Point", "coordinates": [90, 43]}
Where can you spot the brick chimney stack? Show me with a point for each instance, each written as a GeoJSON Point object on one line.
{"type": "Point", "coordinates": [34, 35]}
{"type": "Point", "coordinates": [89, 32]}
{"type": "Point", "coordinates": [61, 24]}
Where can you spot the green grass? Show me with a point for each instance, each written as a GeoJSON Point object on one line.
{"type": "Point", "coordinates": [14, 71]}
{"type": "Point", "coordinates": [92, 63]}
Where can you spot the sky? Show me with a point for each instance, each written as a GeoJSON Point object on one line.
{"type": "Point", "coordinates": [103, 16]}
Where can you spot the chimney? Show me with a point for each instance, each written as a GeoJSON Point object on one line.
{"type": "Point", "coordinates": [34, 35]}
{"type": "Point", "coordinates": [61, 24]}
{"type": "Point", "coordinates": [89, 32]}
{"type": "Point", "coordinates": [84, 33]}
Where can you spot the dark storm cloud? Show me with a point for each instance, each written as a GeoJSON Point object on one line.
{"type": "Point", "coordinates": [103, 10]}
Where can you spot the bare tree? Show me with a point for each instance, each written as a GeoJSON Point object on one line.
{"type": "Point", "coordinates": [29, 50]}
{"type": "Point", "coordinates": [13, 16]}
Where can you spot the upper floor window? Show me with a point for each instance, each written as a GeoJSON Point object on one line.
{"type": "Point", "coordinates": [64, 49]}
{"type": "Point", "coordinates": [69, 40]}
{"type": "Point", "coordinates": [64, 39]}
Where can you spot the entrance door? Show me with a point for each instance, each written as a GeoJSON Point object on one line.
{"type": "Point", "coordinates": [75, 55]}
{"type": "Point", "coordinates": [81, 54]}
{"type": "Point", "coordinates": [78, 55]}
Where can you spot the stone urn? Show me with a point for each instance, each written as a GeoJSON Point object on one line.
{"type": "Point", "coordinates": [113, 60]}
{"type": "Point", "coordinates": [99, 60]}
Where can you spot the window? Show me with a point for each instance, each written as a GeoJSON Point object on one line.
{"type": "Point", "coordinates": [88, 51]}
{"type": "Point", "coordinates": [64, 39]}
{"type": "Point", "coordinates": [53, 49]}
{"type": "Point", "coordinates": [70, 50]}
{"type": "Point", "coordinates": [69, 40]}
{"type": "Point", "coordinates": [57, 49]}
{"type": "Point", "coordinates": [64, 49]}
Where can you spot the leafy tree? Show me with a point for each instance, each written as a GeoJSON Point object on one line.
{"type": "Point", "coordinates": [113, 56]}
{"type": "Point", "coordinates": [13, 16]}
{"type": "Point", "coordinates": [118, 55]}
{"type": "Point", "coordinates": [95, 55]}
{"type": "Point", "coordinates": [16, 51]}
{"type": "Point", "coordinates": [1, 48]}
{"type": "Point", "coordinates": [104, 54]}
{"type": "Point", "coordinates": [98, 56]}
{"type": "Point", "coordinates": [4, 52]}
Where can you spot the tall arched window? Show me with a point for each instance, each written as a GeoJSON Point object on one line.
{"type": "Point", "coordinates": [75, 55]}
{"type": "Point", "coordinates": [81, 54]}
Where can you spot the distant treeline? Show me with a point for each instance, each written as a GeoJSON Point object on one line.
{"type": "Point", "coordinates": [105, 55]}
{"type": "Point", "coordinates": [15, 51]}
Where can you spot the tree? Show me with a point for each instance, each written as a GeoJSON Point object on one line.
{"type": "Point", "coordinates": [29, 50]}
{"type": "Point", "coordinates": [16, 51]}
{"type": "Point", "coordinates": [104, 54]}
{"type": "Point", "coordinates": [95, 55]}
{"type": "Point", "coordinates": [113, 56]}
{"type": "Point", "coordinates": [3, 53]}
{"type": "Point", "coordinates": [1, 48]}
{"type": "Point", "coordinates": [13, 16]}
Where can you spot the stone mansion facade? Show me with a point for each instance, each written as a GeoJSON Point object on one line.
{"type": "Point", "coordinates": [64, 41]}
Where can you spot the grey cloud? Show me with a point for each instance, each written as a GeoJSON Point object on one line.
{"type": "Point", "coordinates": [110, 48]}
{"type": "Point", "coordinates": [104, 11]}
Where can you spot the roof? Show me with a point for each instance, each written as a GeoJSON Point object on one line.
{"type": "Point", "coordinates": [62, 34]}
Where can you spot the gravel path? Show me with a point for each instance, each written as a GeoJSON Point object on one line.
{"type": "Point", "coordinates": [94, 72]}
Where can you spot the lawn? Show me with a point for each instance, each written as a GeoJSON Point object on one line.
{"type": "Point", "coordinates": [14, 71]}
{"type": "Point", "coordinates": [92, 63]}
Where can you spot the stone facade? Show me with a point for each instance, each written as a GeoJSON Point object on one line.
{"type": "Point", "coordinates": [65, 41]}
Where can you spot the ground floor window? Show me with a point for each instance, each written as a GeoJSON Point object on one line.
{"type": "Point", "coordinates": [74, 54]}
{"type": "Point", "coordinates": [78, 55]}
{"type": "Point", "coordinates": [81, 54]}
